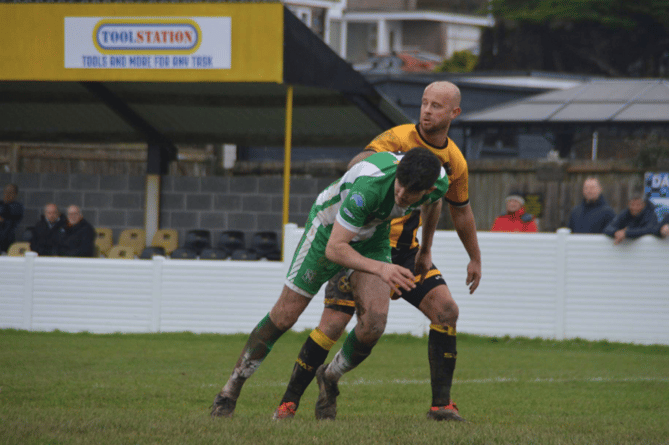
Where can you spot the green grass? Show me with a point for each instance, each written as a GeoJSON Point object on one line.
{"type": "Point", "coordinates": [59, 388]}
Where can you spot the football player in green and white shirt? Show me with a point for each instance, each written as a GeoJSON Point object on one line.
{"type": "Point", "coordinates": [348, 226]}
{"type": "Point", "coordinates": [363, 202]}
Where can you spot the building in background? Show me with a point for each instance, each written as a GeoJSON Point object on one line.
{"type": "Point", "coordinates": [360, 29]}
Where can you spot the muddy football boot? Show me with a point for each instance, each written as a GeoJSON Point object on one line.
{"type": "Point", "coordinates": [223, 406]}
{"type": "Point", "coordinates": [326, 405]}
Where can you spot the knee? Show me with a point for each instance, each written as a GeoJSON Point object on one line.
{"type": "Point", "coordinates": [284, 317]}
{"type": "Point", "coordinates": [333, 323]}
{"type": "Point", "coordinates": [283, 321]}
{"type": "Point", "coordinates": [453, 310]}
{"type": "Point", "coordinates": [446, 314]}
{"type": "Point", "coordinates": [372, 327]}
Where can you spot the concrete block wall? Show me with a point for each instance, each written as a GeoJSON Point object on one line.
{"type": "Point", "coordinates": [218, 203]}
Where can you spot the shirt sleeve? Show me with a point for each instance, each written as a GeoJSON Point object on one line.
{"type": "Point", "coordinates": [357, 206]}
{"type": "Point", "coordinates": [386, 141]}
{"type": "Point", "coordinates": [614, 225]}
{"type": "Point", "coordinates": [458, 190]}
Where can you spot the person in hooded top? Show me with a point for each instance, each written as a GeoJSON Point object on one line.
{"type": "Point", "coordinates": [515, 219]}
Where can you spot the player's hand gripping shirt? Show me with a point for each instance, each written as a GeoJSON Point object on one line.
{"type": "Point", "coordinates": [403, 138]}
{"type": "Point", "coordinates": [363, 199]}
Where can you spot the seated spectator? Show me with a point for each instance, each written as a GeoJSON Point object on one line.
{"type": "Point", "coordinates": [593, 214]}
{"type": "Point", "coordinates": [663, 227]}
{"type": "Point", "coordinates": [515, 219]}
{"type": "Point", "coordinates": [46, 230]}
{"type": "Point", "coordinates": [11, 213]}
{"type": "Point", "coordinates": [77, 236]}
{"type": "Point", "coordinates": [636, 220]}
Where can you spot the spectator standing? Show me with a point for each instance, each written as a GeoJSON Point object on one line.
{"type": "Point", "coordinates": [77, 236]}
{"type": "Point", "coordinates": [11, 213]}
{"type": "Point", "coordinates": [594, 213]}
{"type": "Point", "coordinates": [636, 220]}
{"type": "Point", "coordinates": [515, 219]}
{"type": "Point", "coordinates": [46, 231]}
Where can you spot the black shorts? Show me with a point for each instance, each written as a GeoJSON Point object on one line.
{"type": "Point", "coordinates": [407, 258]}
{"type": "Point", "coordinates": [338, 295]}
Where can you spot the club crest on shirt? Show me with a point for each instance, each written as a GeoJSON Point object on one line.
{"type": "Point", "coordinates": [309, 276]}
{"type": "Point", "coordinates": [358, 199]}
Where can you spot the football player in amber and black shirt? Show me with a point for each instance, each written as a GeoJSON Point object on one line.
{"type": "Point", "coordinates": [440, 105]}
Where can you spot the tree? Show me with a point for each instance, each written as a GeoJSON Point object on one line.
{"type": "Point", "coordinates": [601, 37]}
{"type": "Point", "coordinates": [461, 62]}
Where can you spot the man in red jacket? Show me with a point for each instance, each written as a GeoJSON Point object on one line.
{"type": "Point", "coordinates": [515, 220]}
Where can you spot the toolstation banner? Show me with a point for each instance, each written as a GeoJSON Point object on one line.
{"type": "Point", "coordinates": [179, 42]}
{"type": "Point", "coordinates": [141, 43]}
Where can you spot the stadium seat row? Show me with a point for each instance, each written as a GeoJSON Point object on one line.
{"type": "Point", "coordinates": [230, 244]}
{"type": "Point", "coordinates": [132, 244]}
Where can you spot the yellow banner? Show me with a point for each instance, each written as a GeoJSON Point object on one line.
{"type": "Point", "coordinates": [201, 42]}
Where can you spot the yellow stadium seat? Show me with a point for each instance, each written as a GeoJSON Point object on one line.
{"type": "Point", "coordinates": [123, 252]}
{"type": "Point", "coordinates": [133, 238]}
{"type": "Point", "coordinates": [103, 240]}
{"type": "Point", "coordinates": [168, 239]}
{"type": "Point", "coordinates": [18, 248]}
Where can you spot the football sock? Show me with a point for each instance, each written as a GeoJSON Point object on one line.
{"type": "Point", "coordinates": [312, 355]}
{"type": "Point", "coordinates": [259, 344]}
{"type": "Point", "coordinates": [349, 356]}
{"type": "Point", "coordinates": [441, 346]}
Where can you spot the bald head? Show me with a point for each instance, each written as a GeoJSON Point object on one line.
{"type": "Point", "coordinates": [74, 215]}
{"type": "Point", "coordinates": [447, 90]}
{"type": "Point", "coordinates": [439, 106]}
{"type": "Point", "coordinates": [51, 213]}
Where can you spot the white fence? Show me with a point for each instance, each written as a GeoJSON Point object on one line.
{"type": "Point", "coordinates": [552, 285]}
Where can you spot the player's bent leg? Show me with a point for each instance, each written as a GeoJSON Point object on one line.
{"type": "Point", "coordinates": [372, 300]}
{"type": "Point", "coordinates": [339, 308]}
{"type": "Point", "coordinates": [312, 355]}
{"type": "Point", "coordinates": [439, 306]}
{"type": "Point", "coordinates": [282, 317]}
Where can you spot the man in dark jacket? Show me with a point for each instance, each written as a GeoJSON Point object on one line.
{"type": "Point", "coordinates": [636, 220]}
{"type": "Point", "coordinates": [47, 230]}
{"type": "Point", "coordinates": [593, 214]}
{"type": "Point", "coordinates": [11, 213]}
{"type": "Point", "coordinates": [77, 236]}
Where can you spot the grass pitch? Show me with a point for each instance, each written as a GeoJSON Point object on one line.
{"type": "Point", "coordinates": [59, 388]}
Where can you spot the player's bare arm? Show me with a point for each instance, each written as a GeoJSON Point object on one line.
{"type": "Point", "coordinates": [339, 250]}
{"type": "Point", "coordinates": [430, 215]}
{"type": "Point", "coordinates": [359, 157]}
{"type": "Point", "coordinates": [465, 226]}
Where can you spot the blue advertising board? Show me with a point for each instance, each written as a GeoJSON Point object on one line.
{"type": "Point", "coordinates": [657, 190]}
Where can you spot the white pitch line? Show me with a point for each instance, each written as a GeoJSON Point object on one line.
{"type": "Point", "coordinates": [477, 381]}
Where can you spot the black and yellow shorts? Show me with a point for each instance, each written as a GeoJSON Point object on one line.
{"type": "Point", "coordinates": [339, 297]}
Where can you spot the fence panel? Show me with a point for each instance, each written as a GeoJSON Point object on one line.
{"type": "Point", "coordinates": [551, 285]}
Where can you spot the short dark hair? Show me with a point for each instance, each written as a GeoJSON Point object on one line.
{"type": "Point", "coordinates": [418, 170]}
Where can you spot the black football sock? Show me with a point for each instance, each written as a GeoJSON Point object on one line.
{"type": "Point", "coordinates": [312, 355]}
{"type": "Point", "coordinates": [441, 346]}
